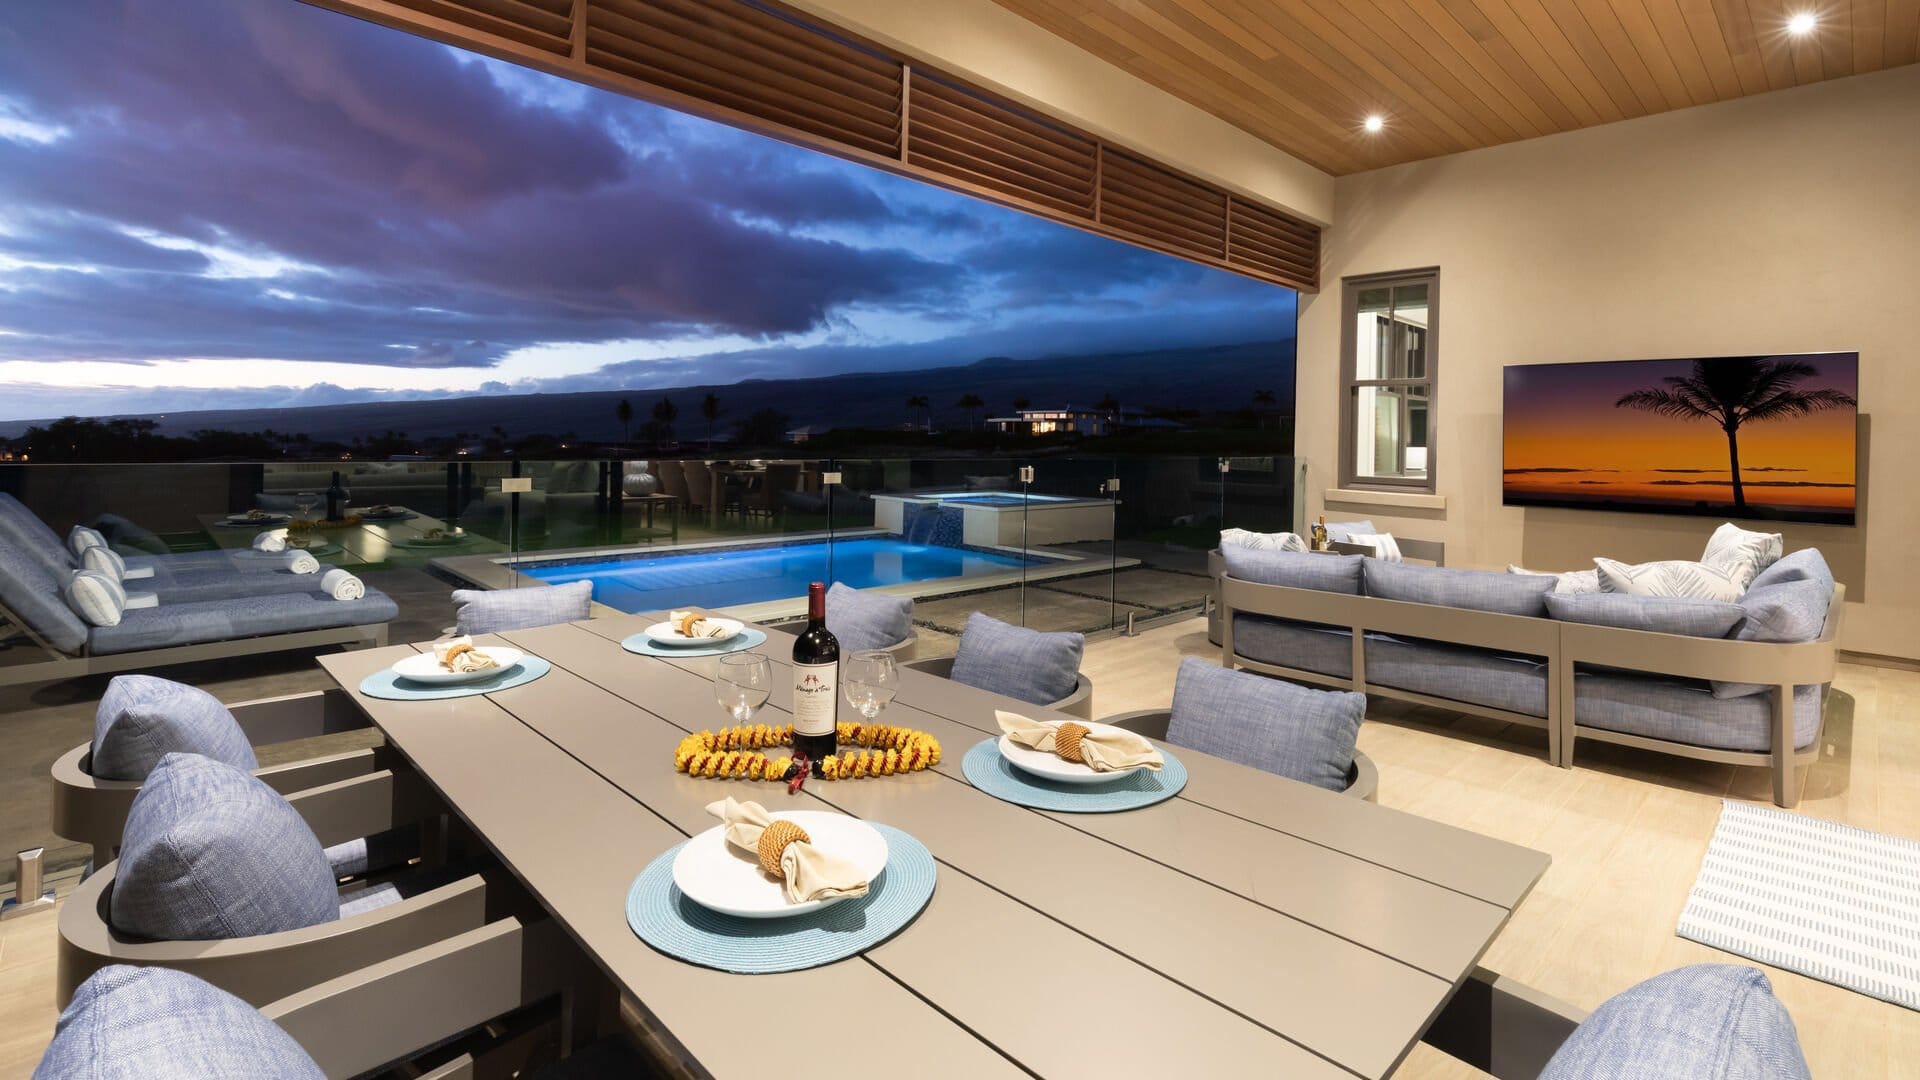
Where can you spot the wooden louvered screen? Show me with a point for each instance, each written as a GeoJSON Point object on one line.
{"type": "Point", "coordinates": [758, 65]}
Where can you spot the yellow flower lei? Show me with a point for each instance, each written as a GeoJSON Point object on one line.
{"type": "Point", "coordinates": [734, 753]}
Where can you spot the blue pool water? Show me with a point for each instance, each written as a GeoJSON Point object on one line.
{"type": "Point", "coordinates": [724, 577]}
{"type": "Point", "coordinates": [994, 498]}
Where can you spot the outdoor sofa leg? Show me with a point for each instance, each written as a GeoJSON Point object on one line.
{"type": "Point", "coordinates": [1786, 793]}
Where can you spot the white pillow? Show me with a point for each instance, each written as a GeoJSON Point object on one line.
{"type": "Point", "coordinates": [1570, 581]}
{"type": "Point", "coordinates": [80, 538]}
{"type": "Point", "coordinates": [1673, 577]}
{"type": "Point", "coordinates": [104, 560]}
{"type": "Point", "coordinates": [1740, 553]}
{"type": "Point", "coordinates": [1280, 541]}
{"type": "Point", "coordinates": [1383, 544]}
{"type": "Point", "coordinates": [96, 598]}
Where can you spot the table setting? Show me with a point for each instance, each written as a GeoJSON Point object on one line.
{"type": "Point", "coordinates": [383, 512]}
{"type": "Point", "coordinates": [253, 519]}
{"type": "Point", "coordinates": [688, 632]}
{"type": "Point", "coordinates": [454, 668]}
{"type": "Point", "coordinates": [1074, 766]}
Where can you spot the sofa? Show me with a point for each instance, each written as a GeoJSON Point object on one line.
{"type": "Point", "coordinates": [1742, 682]}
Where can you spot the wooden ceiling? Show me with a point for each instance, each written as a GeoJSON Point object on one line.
{"type": "Point", "coordinates": [1451, 75]}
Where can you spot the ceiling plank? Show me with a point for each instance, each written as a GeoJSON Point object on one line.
{"type": "Point", "coordinates": [1869, 34]}
{"type": "Point", "coordinates": [1711, 41]}
{"type": "Point", "coordinates": [1672, 34]}
{"type": "Point", "coordinates": [1902, 44]}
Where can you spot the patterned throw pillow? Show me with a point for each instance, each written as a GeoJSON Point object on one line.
{"type": "Point", "coordinates": [1570, 582]}
{"type": "Point", "coordinates": [1280, 541]}
{"type": "Point", "coordinates": [1343, 531]}
{"type": "Point", "coordinates": [80, 538]}
{"type": "Point", "coordinates": [1673, 577]}
{"type": "Point", "coordinates": [1740, 553]}
{"type": "Point", "coordinates": [96, 597]}
{"type": "Point", "coordinates": [102, 559]}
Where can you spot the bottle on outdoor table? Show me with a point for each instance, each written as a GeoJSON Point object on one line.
{"type": "Point", "coordinates": [336, 499]}
{"type": "Point", "coordinates": [816, 693]}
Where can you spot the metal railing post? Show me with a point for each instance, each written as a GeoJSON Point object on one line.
{"type": "Point", "coordinates": [29, 891]}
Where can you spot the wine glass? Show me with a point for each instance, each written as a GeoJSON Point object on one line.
{"type": "Point", "coordinates": [869, 680]}
{"type": "Point", "coordinates": [742, 684]}
{"type": "Point", "coordinates": [306, 502]}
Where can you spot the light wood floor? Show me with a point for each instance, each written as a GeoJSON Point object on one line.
{"type": "Point", "coordinates": [1626, 831]}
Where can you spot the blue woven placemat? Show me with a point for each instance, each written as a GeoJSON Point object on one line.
{"type": "Point", "coordinates": [385, 684]}
{"type": "Point", "coordinates": [664, 918]}
{"type": "Point", "coordinates": [642, 644]}
{"type": "Point", "coordinates": [987, 770]}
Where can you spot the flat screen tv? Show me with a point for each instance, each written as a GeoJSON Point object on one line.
{"type": "Point", "coordinates": [1767, 437]}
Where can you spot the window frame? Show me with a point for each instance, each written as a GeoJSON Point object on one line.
{"type": "Point", "coordinates": [1350, 382]}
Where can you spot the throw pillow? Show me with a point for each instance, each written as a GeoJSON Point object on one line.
{"type": "Point", "coordinates": [1740, 553]}
{"type": "Point", "coordinates": [1655, 614]}
{"type": "Point", "coordinates": [1383, 544]}
{"type": "Point", "coordinates": [1294, 569]}
{"type": "Point", "coordinates": [103, 559]}
{"type": "Point", "coordinates": [1718, 1020]}
{"type": "Point", "coordinates": [1566, 581]}
{"type": "Point", "coordinates": [210, 853]}
{"type": "Point", "coordinates": [154, 1023]}
{"type": "Point", "coordinates": [1672, 577]}
{"type": "Point", "coordinates": [1278, 541]}
{"type": "Point", "coordinates": [80, 538]}
{"type": "Point", "coordinates": [96, 597]}
{"type": "Point", "coordinates": [867, 620]}
{"type": "Point", "coordinates": [495, 611]}
{"type": "Point", "coordinates": [1479, 590]}
{"type": "Point", "coordinates": [1343, 530]}
{"type": "Point", "coordinates": [1292, 731]}
{"type": "Point", "coordinates": [1039, 668]}
{"type": "Point", "coordinates": [142, 719]}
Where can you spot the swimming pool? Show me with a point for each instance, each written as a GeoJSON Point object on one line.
{"type": "Point", "coordinates": [729, 577]}
{"type": "Point", "coordinates": [1002, 518]}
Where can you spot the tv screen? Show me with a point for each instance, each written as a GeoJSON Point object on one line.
{"type": "Point", "coordinates": [1768, 437]}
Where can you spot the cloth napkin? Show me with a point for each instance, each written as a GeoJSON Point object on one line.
{"type": "Point", "coordinates": [271, 540]}
{"type": "Point", "coordinates": [810, 874]}
{"type": "Point", "coordinates": [1106, 751]}
{"type": "Point", "coordinates": [302, 562]}
{"type": "Point", "coordinates": [460, 655]}
{"type": "Point", "coordinates": [342, 586]}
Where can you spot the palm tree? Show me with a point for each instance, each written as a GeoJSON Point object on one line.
{"type": "Point", "coordinates": [970, 404]}
{"type": "Point", "coordinates": [1108, 404]}
{"type": "Point", "coordinates": [1737, 390]}
{"type": "Point", "coordinates": [664, 414]}
{"type": "Point", "coordinates": [710, 409]}
{"type": "Point", "coordinates": [919, 401]}
{"type": "Point", "coordinates": [625, 412]}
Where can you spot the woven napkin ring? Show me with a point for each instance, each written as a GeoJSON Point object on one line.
{"type": "Point", "coordinates": [1066, 741]}
{"type": "Point", "coordinates": [773, 843]}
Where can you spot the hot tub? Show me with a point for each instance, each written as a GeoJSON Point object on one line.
{"type": "Point", "coordinates": [1002, 518]}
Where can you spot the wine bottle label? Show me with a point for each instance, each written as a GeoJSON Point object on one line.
{"type": "Point", "coordinates": [815, 691]}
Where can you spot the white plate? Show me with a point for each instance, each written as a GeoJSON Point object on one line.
{"type": "Point", "coordinates": [718, 876]}
{"type": "Point", "coordinates": [663, 633]}
{"type": "Point", "coordinates": [422, 667]}
{"type": "Point", "coordinates": [1051, 766]}
{"type": "Point", "coordinates": [264, 519]}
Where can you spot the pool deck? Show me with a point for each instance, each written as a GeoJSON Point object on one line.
{"type": "Point", "coordinates": [503, 571]}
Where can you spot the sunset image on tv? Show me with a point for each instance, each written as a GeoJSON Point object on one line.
{"type": "Point", "coordinates": [1768, 437]}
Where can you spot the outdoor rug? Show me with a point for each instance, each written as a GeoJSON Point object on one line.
{"type": "Point", "coordinates": [1827, 900]}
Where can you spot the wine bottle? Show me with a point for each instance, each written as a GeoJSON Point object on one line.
{"type": "Point", "coordinates": [336, 499]}
{"type": "Point", "coordinates": [816, 691]}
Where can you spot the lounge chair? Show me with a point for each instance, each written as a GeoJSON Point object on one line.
{"type": "Point", "coordinates": [1040, 668]}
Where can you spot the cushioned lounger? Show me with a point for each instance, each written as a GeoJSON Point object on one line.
{"type": "Point", "coordinates": [238, 617]}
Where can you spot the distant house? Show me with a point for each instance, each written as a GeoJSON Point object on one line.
{"type": "Point", "coordinates": [1079, 421]}
{"type": "Point", "coordinates": [803, 434]}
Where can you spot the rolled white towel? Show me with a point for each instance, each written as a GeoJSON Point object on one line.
{"type": "Point", "coordinates": [341, 585]}
{"type": "Point", "coordinates": [302, 562]}
{"type": "Point", "coordinates": [271, 540]}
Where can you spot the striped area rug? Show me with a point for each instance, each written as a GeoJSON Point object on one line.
{"type": "Point", "coordinates": [1829, 901]}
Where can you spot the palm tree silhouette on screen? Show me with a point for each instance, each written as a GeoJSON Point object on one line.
{"type": "Point", "coordinates": [1733, 392]}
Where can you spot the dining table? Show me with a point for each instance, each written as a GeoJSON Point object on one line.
{"type": "Point", "coordinates": [1250, 925]}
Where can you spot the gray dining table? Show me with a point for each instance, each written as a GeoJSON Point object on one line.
{"type": "Point", "coordinates": [1252, 925]}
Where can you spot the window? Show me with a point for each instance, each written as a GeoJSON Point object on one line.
{"type": "Point", "coordinates": [1388, 351]}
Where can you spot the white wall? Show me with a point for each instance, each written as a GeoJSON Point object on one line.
{"type": "Point", "coordinates": [1787, 222]}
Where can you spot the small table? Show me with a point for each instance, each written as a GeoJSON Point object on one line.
{"type": "Point", "coordinates": [650, 503]}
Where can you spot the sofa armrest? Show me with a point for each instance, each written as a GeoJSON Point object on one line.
{"type": "Point", "coordinates": [299, 716]}
{"type": "Point", "coordinates": [366, 805]}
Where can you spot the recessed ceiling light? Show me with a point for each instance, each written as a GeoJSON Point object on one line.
{"type": "Point", "coordinates": [1802, 24]}
{"type": "Point", "coordinates": [1375, 122]}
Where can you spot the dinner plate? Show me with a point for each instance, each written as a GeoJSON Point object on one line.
{"type": "Point", "coordinates": [720, 877]}
{"type": "Point", "coordinates": [263, 519]}
{"type": "Point", "coordinates": [664, 633]}
{"type": "Point", "coordinates": [423, 668]}
{"type": "Point", "coordinates": [1051, 766]}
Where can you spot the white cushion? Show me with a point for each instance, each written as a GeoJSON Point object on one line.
{"type": "Point", "coordinates": [1570, 581]}
{"type": "Point", "coordinates": [1383, 544]}
{"type": "Point", "coordinates": [1672, 577]}
{"type": "Point", "coordinates": [104, 560]}
{"type": "Point", "coordinates": [96, 597]}
{"type": "Point", "coordinates": [80, 538]}
{"type": "Point", "coordinates": [1279, 541]}
{"type": "Point", "coordinates": [1740, 553]}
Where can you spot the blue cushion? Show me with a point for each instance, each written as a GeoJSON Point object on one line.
{"type": "Point", "coordinates": [1656, 614]}
{"type": "Point", "coordinates": [1035, 667]}
{"type": "Point", "coordinates": [868, 620]}
{"type": "Point", "coordinates": [151, 1023]}
{"type": "Point", "coordinates": [1302, 646]}
{"type": "Point", "coordinates": [1479, 590]}
{"type": "Point", "coordinates": [1718, 1021]}
{"type": "Point", "coordinates": [1807, 564]}
{"type": "Point", "coordinates": [247, 576]}
{"type": "Point", "coordinates": [1345, 531]}
{"type": "Point", "coordinates": [1687, 711]}
{"type": "Point", "coordinates": [1291, 731]}
{"type": "Point", "coordinates": [1787, 602]}
{"type": "Point", "coordinates": [495, 611]}
{"type": "Point", "coordinates": [1458, 673]}
{"type": "Point", "coordinates": [239, 617]}
{"type": "Point", "coordinates": [36, 541]}
{"type": "Point", "coordinates": [211, 853]}
{"type": "Point", "coordinates": [142, 719]}
{"type": "Point", "coordinates": [1294, 569]}
{"type": "Point", "coordinates": [32, 593]}
{"type": "Point", "coordinates": [123, 535]}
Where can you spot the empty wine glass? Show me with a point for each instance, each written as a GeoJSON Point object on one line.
{"type": "Point", "coordinates": [306, 502]}
{"type": "Point", "coordinates": [742, 684]}
{"type": "Point", "coordinates": [869, 680]}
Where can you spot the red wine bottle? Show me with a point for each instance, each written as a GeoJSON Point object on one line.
{"type": "Point", "coordinates": [816, 690]}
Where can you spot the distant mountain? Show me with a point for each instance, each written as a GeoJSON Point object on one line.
{"type": "Point", "coordinates": [1219, 378]}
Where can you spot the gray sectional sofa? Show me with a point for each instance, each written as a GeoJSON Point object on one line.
{"type": "Point", "coordinates": [1740, 683]}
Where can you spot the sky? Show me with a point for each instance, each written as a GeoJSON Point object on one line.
{"type": "Point", "coordinates": [1566, 438]}
{"type": "Point", "coordinates": [256, 203]}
